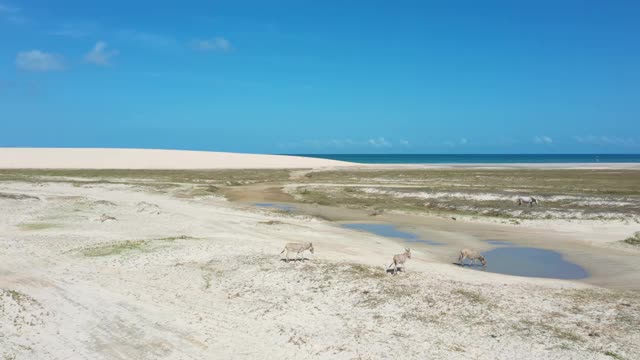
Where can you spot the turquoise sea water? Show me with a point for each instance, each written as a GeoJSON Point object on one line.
{"type": "Point", "coordinates": [478, 158]}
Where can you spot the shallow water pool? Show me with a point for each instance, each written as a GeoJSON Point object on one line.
{"type": "Point", "coordinates": [387, 230]}
{"type": "Point", "coordinates": [530, 262]}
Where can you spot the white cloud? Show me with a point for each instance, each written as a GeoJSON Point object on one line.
{"type": "Point", "coordinates": [404, 142]}
{"type": "Point", "coordinates": [99, 55]}
{"type": "Point", "coordinates": [36, 60]}
{"type": "Point", "coordinates": [542, 140]}
{"type": "Point", "coordinates": [607, 140]}
{"type": "Point", "coordinates": [216, 44]}
{"type": "Point", "coordinates": [379, 142]}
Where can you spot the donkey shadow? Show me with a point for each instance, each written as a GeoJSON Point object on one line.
{"type": "Point", "coordinates": [463, 265]}
{"type": "Point", "coordinates": [393, 271]}
{"type": "Point", "coordinates": [295, 260]}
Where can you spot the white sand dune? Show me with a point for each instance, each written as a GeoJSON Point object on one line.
{"type": "Point", "coordinates": [90, 158]}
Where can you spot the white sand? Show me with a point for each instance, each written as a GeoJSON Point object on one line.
{"type": "Point", "coordinates": [78, 158]}
{"type": "Point", "coordinates": [221, 292]}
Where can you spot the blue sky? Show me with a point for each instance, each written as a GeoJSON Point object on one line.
{"type": "Point", "coordinates": [322, 76]}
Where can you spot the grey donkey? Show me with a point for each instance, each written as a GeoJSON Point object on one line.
{"type": "Point", "coordinates": [399, 259]}
{"type": "Point", "coordinates": [297, 248]}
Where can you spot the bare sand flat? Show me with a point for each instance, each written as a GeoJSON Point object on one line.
{"type": "Point", "coordinates": [106, 270]}
{"type": "Point", "coordinates": [78, 158]}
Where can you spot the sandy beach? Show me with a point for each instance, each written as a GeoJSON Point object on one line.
{"type": "Point", "coordinates": [183, 265]}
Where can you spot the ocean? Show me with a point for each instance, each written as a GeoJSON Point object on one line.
{"type": "Point", "coordinates": [478, 158]}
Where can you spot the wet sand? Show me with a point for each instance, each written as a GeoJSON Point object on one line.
{"type": "Point", "coordinates": [607, 265]}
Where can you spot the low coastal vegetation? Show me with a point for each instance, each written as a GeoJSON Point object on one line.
{"type": "Point", "coordinates": [121, 247]}
{"type": "Point", "coordinates": [145, 177]}
{"type": "Point", "coordinates": [114, 248]}
{"type": "Point", "coordinates": [563, 194]}
{"type": "Point", "coordinates": [634, 239]}
{"type": "Point", "coordinates": [36, 226]}
{"type": "Point", "coordinates": [598, 194]}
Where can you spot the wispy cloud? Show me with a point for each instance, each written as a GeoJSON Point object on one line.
{"type": "Point", "coordinates": [147, 38]}
{"type": "Point", "coordinates": [404, 142]}
{"type": "Point", "coordinates": [379, 142]}
{"type": "Point", "coordinates": [75, 31]}
{"type": "Point", "coordinates": [8, 9]}
{"type": "Point", "coordinates": [99, 55]}
{"type": "Point", "coordinates": [460, 142]}
{"type": "Point", "coordinates": [542, 140]}
{"type": "Point", "coordinates": [218, 44]}
{"type": "Point", "coordinates": [12, 14]}
{"type": "Point", "coordinates": [36, 60]}
{"type": "Point", "coordinates": [608, 140]}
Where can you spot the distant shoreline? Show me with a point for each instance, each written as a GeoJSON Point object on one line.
{"type": "Point", "coordinates": [154, 159]}
{"type": "Point", "coordinates": [480, 159]}
{"type": "Point", "coordinates": [513, 166]}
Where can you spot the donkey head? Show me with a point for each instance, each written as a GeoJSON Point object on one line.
{"type": "Point", "coordinates": [407, 251]}
{"type": "Point", "coordinates": [483, 260]}
{"type": "Point", "coordinates": [311, 247]}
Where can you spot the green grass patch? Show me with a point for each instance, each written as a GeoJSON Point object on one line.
{"type": "Point", "coordinates": [122, 247]}
{"type": "Point", "coordinates": [613, 355]}
{"type": "Point", "coordinates": [365, 271]}
{"type": "Point", "coordinates": [174, 238]}
{"type": "Point", "coordinates": [37, 226]}
{"type": "Point", "coordinates": [471, 296]}
{"type": "Point", "coordinates": [115, 248]}
{"type": "Point", "coordinates": [633, 240]}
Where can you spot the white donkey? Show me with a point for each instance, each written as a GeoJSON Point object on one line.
{"type": "Point", "coordinates": [527, 200]}
{"type": "Point", "coordinates": [399, 259]}
{"type": "Point", "coordinates": [297, 248]}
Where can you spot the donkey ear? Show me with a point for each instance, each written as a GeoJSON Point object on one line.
{"type": "Point", "coordinates": [407, 249]}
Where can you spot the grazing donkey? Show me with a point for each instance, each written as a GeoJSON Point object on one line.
{"type": "Point", "coordinates": [297, 248]}
{"type": "Point", "coordinates": [527, 200]}
{"type": "Point", "coordinates": [399, 259]}
{"type": "Point", "coordinates": [472, 255]}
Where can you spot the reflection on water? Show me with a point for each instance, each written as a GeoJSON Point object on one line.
{"type": "Point", "coordinates": [276, 206]}
{"type": "Point", "coordinates": [390, 231]}
{"type": "Point", "coordinates": [531, 262]}
{"type": "Point", "coordinates": [498, 242]}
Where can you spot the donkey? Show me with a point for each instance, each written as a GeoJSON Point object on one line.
{"type": "Point", "coordinates": [399, 259]}
{"type": "Point", "coordinates": [471, 255]}
{"type": "Point", "coordinates": [297, 248]}
{"type": "Point", "coordinates": [527, 200]}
